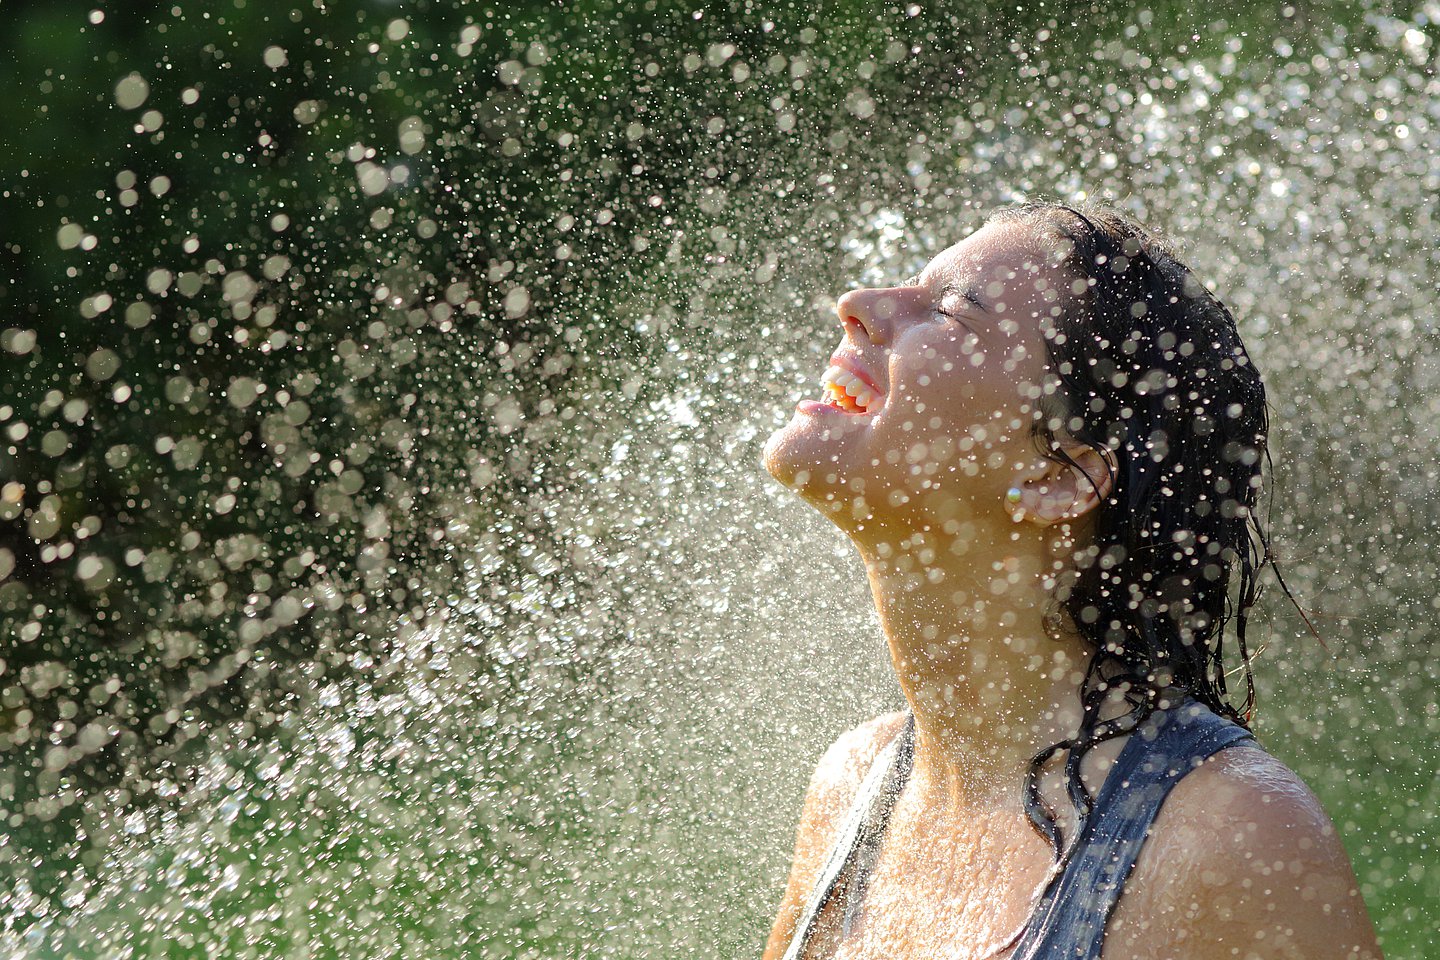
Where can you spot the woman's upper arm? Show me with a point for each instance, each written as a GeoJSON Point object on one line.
{"type": "Point", "coordinates": [1243, 863]}
{"type": "Point", "coordinates": [832, 789]}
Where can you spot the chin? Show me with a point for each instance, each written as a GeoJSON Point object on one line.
{"type": "Point", "coordinates": [781, 460]}
{"type": "Point", "coordinates": [809, 456]}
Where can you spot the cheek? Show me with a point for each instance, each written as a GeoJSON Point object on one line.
{"type": "Point", "coordinates": [1022, 361]}
{"type": "Point", "coordinates": [952, 383]}
{"type": "Point", "coordinates": [977, 411]}
{"type": "Point", "coordinates": [969, 392]}
{"type": "Point", "coordinates": [937, 364]}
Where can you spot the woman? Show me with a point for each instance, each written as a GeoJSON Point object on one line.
{"type": "Point", "coordinates": [1047, 448]}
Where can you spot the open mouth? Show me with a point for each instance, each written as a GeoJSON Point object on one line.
{"type": "Point", "coordinates": [847, 392]}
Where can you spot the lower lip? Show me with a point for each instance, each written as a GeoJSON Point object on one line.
{"type": "Point", "coordinates": [816, 407]}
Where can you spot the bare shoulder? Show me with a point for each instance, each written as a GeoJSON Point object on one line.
{"type": "Point", "coordinates": [1242, 861]}
{"type": "Point", "coordinates": [832, 790]}
{"type": "Point", "coordinates": [841, 769]}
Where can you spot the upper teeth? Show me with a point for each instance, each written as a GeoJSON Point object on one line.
{"type": "Point", "coordinates": [851, 384]}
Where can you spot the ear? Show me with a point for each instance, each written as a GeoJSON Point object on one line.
{"type": "Point", "coordinates": [1052, 491]}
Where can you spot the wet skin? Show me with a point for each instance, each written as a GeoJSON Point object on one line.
{"type": "Point", "coordinates": [957, 386]}
{"type": "Point", "coordinates": [1242, 861]}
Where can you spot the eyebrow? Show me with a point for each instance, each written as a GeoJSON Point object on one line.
{"type": "Point", "coordinates": [966, 291]}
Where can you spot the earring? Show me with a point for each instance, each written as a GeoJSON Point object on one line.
{"type": "Point", "coordinates": [1013, 498]}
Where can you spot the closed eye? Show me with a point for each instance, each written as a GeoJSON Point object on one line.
{"type": "Point", "coordinates": [966, 293]}
{"type": "Point", "coordinates": [954, 317]}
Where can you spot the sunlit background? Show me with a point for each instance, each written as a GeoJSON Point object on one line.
{"type": "Point", "coordinates": [386, 569]}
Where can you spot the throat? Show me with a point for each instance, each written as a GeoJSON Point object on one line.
{"type": "Point", "coordinates": [991, 684]}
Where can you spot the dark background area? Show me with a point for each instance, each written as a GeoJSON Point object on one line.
{"type": "Point", "coordinates": [311, 310]}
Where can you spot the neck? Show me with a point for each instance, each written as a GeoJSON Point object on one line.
{"type": "Point", "coordinates": [965, 616]}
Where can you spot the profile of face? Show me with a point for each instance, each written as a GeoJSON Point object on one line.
{"type": "Point", "coordinates": [929, 405]}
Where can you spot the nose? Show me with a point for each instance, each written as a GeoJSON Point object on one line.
{"type": "Point", "coordinates": [868, 313]}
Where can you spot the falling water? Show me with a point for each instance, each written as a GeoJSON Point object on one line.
{"type": "Point", "coordinates": [385, 562]}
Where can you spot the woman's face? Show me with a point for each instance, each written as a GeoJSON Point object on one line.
{"type": "Point", "coordinates": [928, 407]}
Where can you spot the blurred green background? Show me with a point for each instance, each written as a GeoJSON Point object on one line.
{"type": "Point", "coordinates": [385, 568]}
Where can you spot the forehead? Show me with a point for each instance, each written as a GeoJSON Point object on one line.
{"type": "Point", "coordinates": [1012, 255]}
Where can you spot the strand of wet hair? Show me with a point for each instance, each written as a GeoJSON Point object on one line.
{"type": "Point", "coordinates": [1207, 668]}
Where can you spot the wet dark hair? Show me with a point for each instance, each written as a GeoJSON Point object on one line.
{"type": "Point", "coordinates": [1152, 372]}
